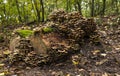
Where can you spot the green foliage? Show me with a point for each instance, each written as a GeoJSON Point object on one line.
{"type": "Point", "coordinates": [9, 13]}
{"type": "Point", "coordinates": [25, 33]}
{"type": "Point", "coordinates": [47, 29]}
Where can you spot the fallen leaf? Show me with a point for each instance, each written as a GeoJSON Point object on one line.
{"type": "Point", "coordinates": [6, 52]}
{"type": "Point", "coordinates": [2, 74]}
{"type": "Point", "coordinates": [75, 62]}
{"type": "Point", "coordinates": [1, 65]}
{"type": "Point", "coordinates": [96, 52]}
{"type": "Point", "coordinates": [105, 74]}
{"type": "Point", "coordinates": [68, 75]}
{"type": "Point", "coordinates": [101, 62]}
{"type": "Point", "coordinates": [14, 75]}
{"type": "Point", "coordinates": [117, 74]}
{"type": "Point", "coordinates": [103, 54]}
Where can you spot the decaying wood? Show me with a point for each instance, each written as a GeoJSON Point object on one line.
{"type": "Point", "coordinates": [69, 30]}
{"type": "Point", "coordinates": [14, 42]}
{"type": "Point", "coordinates": [39, 45]}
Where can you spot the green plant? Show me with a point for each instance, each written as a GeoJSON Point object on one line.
{"type": "Point", "coordinates": [47, 29]}
{"type": "Point", "coordinates": [25, 33]}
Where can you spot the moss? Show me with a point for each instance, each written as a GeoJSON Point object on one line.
{"type": "Point", "coordinates": [47, 29]}
{"type": "Point", "coordinates": [25, 33]}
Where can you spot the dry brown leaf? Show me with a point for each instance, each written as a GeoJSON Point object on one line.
{"type": "Point", "coordinates": [105, 74]}
{"type": "Point", "coordinates": [6, 52]}
{"type": "Point", "coordinates": [2, 74]}
{"type": "Point", "coordinates": [68, 75]}
{"type": "Point", "coordinates": [96, 52]}
{"type": "Point", "coordinates": [101, 62]}
{"type": "Point", "coordinates": [1, 65]}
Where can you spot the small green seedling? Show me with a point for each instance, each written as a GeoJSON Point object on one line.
{"type": "Point", "coordinates": [47, 30]}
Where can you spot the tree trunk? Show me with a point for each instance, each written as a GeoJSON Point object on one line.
{"type": "Point", "coordinates": [24, 14]}
{"type": "Point", "coordinates": [75, 6]}
{"type": "Point", "coordinates": [78, 2]}
{"type": "Point", "coordinates": [37, 10]}
{"type": "Point", "coordinates": [19, 16]}
{"type": "Point", "coordinates": [42, 8]}
{"type": "Point", "coordinates": [56, 2]}
{"type": "Point", "coordinates": [4, 10]}
{"type": "Point", "coordinates": [117, 7]}
{"type": "Point", "coordinates": [67, 5]}
{"type": "Point", "coordinates": [32, 3]}
{"type": "Point", "coordinates": [92, 8]}
{"type": "Point", "coordinates": [104, 7]}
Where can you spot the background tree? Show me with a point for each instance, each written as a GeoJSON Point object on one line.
{"type": "Point", "coordinates": [14, 12]}
{"type": "Point", "coordinates": [37, 10]}
{"type": "Point", "coordinates": [42, 9]}
{"type": "Point", "coordinates": [104, 7]}
{"type": "Point", "coordinates": [92, 8]}
{"type": "Point", "coordinates": [18, 9]}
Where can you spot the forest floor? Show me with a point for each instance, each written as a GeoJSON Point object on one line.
{"type": "Point", "coordinates": [96, 59]}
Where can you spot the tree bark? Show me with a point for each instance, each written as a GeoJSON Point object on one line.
{"type": "Point", "coordinates": [24, 14]}
{"type": "Point", "coordinates": [56, 3]}
{"type": "Point", "coordinates": [104, 7]}
{"type": "Point", "coordinates": [92, 8]}
{"type": "Point", "coordinates": [67, 5]}
{"type": "Point", "coordinates": [117, 8]}
{"type": "Point", "coordinates": [42, 8]}
{"type": "Point", "coordinates": [79, 6]}
{"type": "Point", "coordinates": [19, 16]}
{"type": "Point", "coordinates": [37, 10]}
{"type": "Point", "coordinates": [33, 8]}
